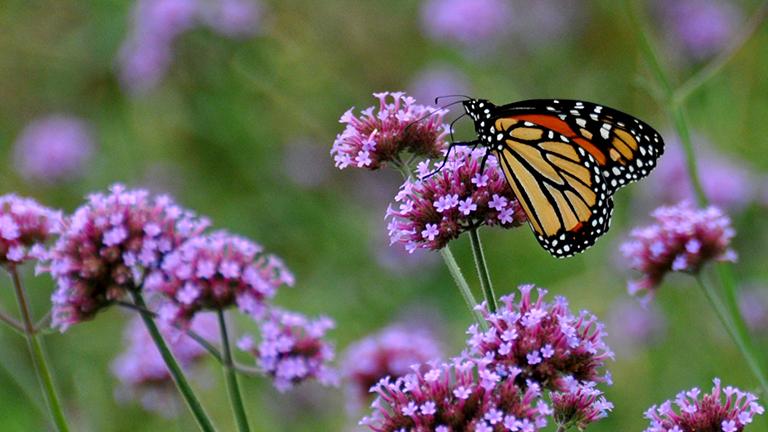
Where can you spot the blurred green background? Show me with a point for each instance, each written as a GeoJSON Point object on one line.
{"type": "Point", "coordinates": [239, 129]}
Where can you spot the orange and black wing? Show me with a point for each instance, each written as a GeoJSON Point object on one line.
{"type": "Point", "coordinates": [559, 184]}
{"type": "Point", "coordinates": [624, 147]}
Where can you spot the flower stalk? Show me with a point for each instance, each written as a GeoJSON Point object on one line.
{"type": "Point", "coordinates": [203, 421]}
{"type": "Point", "coordinates": [39, 361]}
{"type": "Point", "coordinates": [233, 388]}
{"type": "Point", "coordinates": [482, 269]}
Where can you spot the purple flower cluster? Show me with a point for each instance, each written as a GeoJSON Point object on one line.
{"type": "Point", "coordinates": [682, 239]}
{"type": "Point", "coordinates": [463, 395]}
{"type": "Point", "coordinates": [579, 405]}
{"type": "Point", "coordinates": [292, 349]}
{"type": "Point", "coordinates": [470, 23]}
{"type": "Point", "coordinates": [710, 412]}
{"type": "Point", "coordinates": [107, 247]}
{"type": "Point", "coordinates": [147, 52]}
{"type": "Point", "coordinates": [433, 211]}
{"type": "Point", "coordinates": [216, 271]}
{"type": "Point", "coordinates": [25, 226]}
{"type": "Point", "coordinates": [389, 353]}
{"type": "Point", "coordinates": [700, 28]}
{"type": "Point", "coordinates": [53, 148]}
{"type": "Point", "coordinates": [377, 137]}
{"type": "Point", "coordinates": [541, 342]}
{"type": "Point", "coordinates": [141, 370]}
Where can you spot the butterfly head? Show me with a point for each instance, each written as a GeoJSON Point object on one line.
{"type": "Point", "coordinates": [481, 111]}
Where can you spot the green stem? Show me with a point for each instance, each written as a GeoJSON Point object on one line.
{"type": "Point", "coordinates": [683, 131]}
{"type": "Point", "coordinates": [235, 397]}
{"type": "Point", "coordinates": [38, 355]}
{"type": "Point", "coordinates": [482, 269]}
{"type": "Point", "coordinates": [461, 283]}
{"type": "Point", "coordinates": [716, 65]}
{"type": "Point", "coordinates": [730, 321]}
{"type": "Point", "coordinates": [561, 428]}
{"type": "Point", "coordinates": [12, 323]}
{"type": "Point", "coordinates": [173, 366]}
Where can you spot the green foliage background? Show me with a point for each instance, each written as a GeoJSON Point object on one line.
{"type": "Point", "coordinates": [218, 126]}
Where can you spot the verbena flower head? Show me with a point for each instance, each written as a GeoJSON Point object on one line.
{"type": "Point", "coordinates": [380, 135]}
{"type": "Point", "coordinates": [54, 148]}
{"type": "Point", "coordinates": [214, 272]}
{"type": "Point", "coordinates": [701, 28]}
{"type": "Point", "coordinates": [25, 226]}
{"type": "Point", "coordinates": [109, 245]}
{"type": "Point", "coordinates": [722, 410]}
{"type": "Point", "coordinates": [458, 396]}
{"type": "Point", "coordinates": [470, 23]}
{"type": "Point", "coordinates": [682, 239]}
{"type": "Point", "coordinates": [536, 341]}
{"type": "Point", "coordinates": [143, 374]}
{"type": "Point", "coordinates": [436, 210]}
{"type": "Point", "coordinates": [292, 349]}
{"type": "Point", "coordinates": [579, 405]}
{"type": "Point", "coordinates": [391, 352]}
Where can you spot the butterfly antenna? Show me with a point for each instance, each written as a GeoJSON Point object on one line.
{"type": "Point", "coordinates": [437, 99]}
{"type": "Point", "coordinates": [431, 113]}
{"type": "Point", "coordinates": [442, 165]}
{"type": "Point", "coordinates": [454, 122]}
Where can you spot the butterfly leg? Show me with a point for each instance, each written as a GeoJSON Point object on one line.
{"type": "Point", "coordinates": [482, 161]}
{"type": "Point", "coordinates": [448, 153]}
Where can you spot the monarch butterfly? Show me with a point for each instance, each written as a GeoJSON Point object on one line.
{"type": "Point", "coordinates": [564, 159]}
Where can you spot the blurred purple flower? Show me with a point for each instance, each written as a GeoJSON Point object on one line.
{"type": "Point", "coordinates": [633, 325]}
{"type": "Point", "coordinates": [753, 303]}
{"type": "Point", "coordinates": [709, 413]}
{"type": "Point", "coordinates": [146, 53]}
{"type": "Point", "coordinates": [292, 349]}
{"type": "Point", "coordinates": [727, 183]}
{"type": "Point", "coordinates": [462, 395]}
{"type": "Point", "coordinates": [579, 405]}
{"type": "Point", "coordinates": [108, 245]}
{"type": "Point", "coordinates": [470, 23]}
{"type": "Point", "coordinates": [300, 163]}
{"type": "Point", "coordinates": [141, 370]}
{"type": "Point", "coordinates": [234, 18]}
{"type": "Point", "coordinates": [214, 272]}
{"type": "Point", "coordinates": [682, 239]}
{"type": "Point", "coordinates": [436, 210]}
{"type": "Point", "coordinates": [391, 352]}
{"type": "Point", "coordinates": [54, 148]}
{"type": "Point", "coordinates": [25, 227]}
{"type": "Point", "coordinates": [541, 342]}
{"type": "Point", "coordinates": [373, 139]}
{"type": "Point", "coordinates": [700, 28]}
{"type": "Point", "coordinates": [438, 81]}
{"type": "Point", "coordinates": [541, 22]}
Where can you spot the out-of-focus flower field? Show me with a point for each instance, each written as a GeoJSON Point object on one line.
{"type": "Point", "coordinates": [232, 108]}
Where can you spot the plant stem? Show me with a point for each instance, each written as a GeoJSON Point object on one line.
{"type": "Point", "coordinates": [482, 269]}
{"type": "Point", "coordinates": [38, 355]}
{"type": "Point", "coordinates": [561, 428]}
{"type": "Point", "coordinates": [12, 323]}
{"type": "Point", "coordinates": [235, 397]}
{"type": "Point", "coordinates": [461, 283]}
{"type": "Point", "coordinates": [716, 65]}
{"type": "Point", "coordinates": [173, 366]}
{"type": "Point", "coordinates": [741, 338]}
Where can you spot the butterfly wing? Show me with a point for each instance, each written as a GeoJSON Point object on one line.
{"type": "Point", "coordinates": [626, 148]}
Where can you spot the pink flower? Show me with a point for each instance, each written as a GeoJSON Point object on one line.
{"type": "Point", "coordinates": [579, 405]}
{"type": "Point", "coordinates": [141, 370]}
{"type": "Point", "coordinates": [25, 226]}
{"type": "Point", "coordinates": [214, 272]}
{"type": "Point", "coordinates": [391, 352]}
{"type": "Point", "coordinates": [710, 412]}
{"type": "Point", "coordinates": [431, 212]}
{"type": "Point", "coordinates": [458, 396]}
{"type": "Point", "coordinates": [682, 239]}
{"type": "Point", "coordinates": [376, 138]}
{"type": "Point", "coordinates": [292, 349]}
{"type": "Point", "coordinates": [541, 342]}
{"type": "Point", "coordinates": [108, 246]}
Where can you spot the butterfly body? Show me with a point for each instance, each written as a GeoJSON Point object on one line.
{"type": "Point", "coordinates": [564, 159]}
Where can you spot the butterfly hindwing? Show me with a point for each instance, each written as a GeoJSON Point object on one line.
{"type": "Point", "coordinates": [559, 185]}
